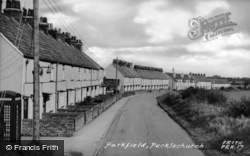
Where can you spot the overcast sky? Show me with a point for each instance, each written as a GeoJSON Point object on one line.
{"type": "Point", "coordinates": [155, 33]}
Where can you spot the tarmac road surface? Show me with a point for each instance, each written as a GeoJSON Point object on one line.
{"type": "Point", "coordinates": [142, 128]}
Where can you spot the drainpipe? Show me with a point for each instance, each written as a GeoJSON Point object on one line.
{"type": "Point", "coordinates": [56, 93]}
{"type": "Point", "coordinates": [91, 76]}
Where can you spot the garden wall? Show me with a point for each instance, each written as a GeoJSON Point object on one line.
{"type": "Point", "coordinates": [66, 121]}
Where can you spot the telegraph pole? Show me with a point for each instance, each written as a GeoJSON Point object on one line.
{"type": "Point", "coordinates": [36, 87]}
{"type": "Point", "coordinates": [116, 81]}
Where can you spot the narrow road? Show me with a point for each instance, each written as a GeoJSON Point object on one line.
{"type": "Point", "coordinates": [142, 128]}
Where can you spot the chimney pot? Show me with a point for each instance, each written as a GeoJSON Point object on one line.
{"type": "Point", "coordinates": [17, 4]}
{"type": "Point", "coordinates": [31, 12]}
{"type": "Point", "coordinates": [50, 26]}
{"type": "Point", "coordinates": [24, 12]}
{"type": "Point", "coordinates": [8, 4]}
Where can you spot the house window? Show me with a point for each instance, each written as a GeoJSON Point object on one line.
{"type": "Point", "coordinates": [25, 108]}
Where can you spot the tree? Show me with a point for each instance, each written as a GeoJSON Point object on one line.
{"type": "Point", "coordinates": [246, 83]}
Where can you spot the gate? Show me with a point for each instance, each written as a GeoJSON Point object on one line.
{"type": "Point", "coordinates": [10, 116]}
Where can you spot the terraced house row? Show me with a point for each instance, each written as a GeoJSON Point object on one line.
{"type": "Point", "coordinates": [136, 77]}
{"type": "Point", "coordinates": [183, 81]}
{"type": "Point", "coordinates": [67, 74]}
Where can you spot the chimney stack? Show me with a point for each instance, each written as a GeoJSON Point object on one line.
{"type": "Point", "coordinates": [68, 38]}
{"type": "Point", "coordinates": [50, 26]}
{"type": "Point", "coordinates": [182, 75]}
{"type": "Point", "coordinates": [13, 9]}
{"type": "Point", "coordinates": [44, 25]}
{"type": "Point", "coordinates": [60, 35]}
{"type": "Point", "coordinates": [190, 75]}
{"type": "Point", "coordinates": [79, 45]}
{"type": "Point", "coordinates": [28, 16]}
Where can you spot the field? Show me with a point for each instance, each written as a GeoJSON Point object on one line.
{"type": "Point", "coordinates": [236, 95]}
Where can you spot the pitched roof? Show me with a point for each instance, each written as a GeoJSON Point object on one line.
{"type": "Point", "coordinates": [201, 78]}
{"type": "Point", "coordinates": [179, 76]}
{"type": "Point", "coordinates": [127, 72]}
{"type": "Point", "coordinates": [219, 81]}
{"type": "Point", "coordinates": [51, 50]}
{"type": "Point", "coordinates": [150, 72]}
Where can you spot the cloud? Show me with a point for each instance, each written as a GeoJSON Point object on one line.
{"type": "Point", "coordinates": [226, 55]}
{"type": "Point", "coordinates": [204, 8]}
{"type": "Point", "coordinates": [164, 23]}
{"type": "Point", "coordinates": [161, 22]}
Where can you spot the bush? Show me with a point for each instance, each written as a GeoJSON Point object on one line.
{"type": "Point", "coordinates": [239, 87]}
{"type": "Point", "coordinates": [101, 98]}
{"type": "Point", "coordinates": [230, 88]}
{"type": "Point", "coordinates": [87, 101]}
{"type": "Point", "coordinates": [189, 92]}
{"type": "Point", "coordinates": [222, 88]}
{"type": "Point", "coordinates": [201, 95]}
{"type": "Point", "coordinates": [216, 97]}
{"type": "Point", "coordinates": [239, 108]}
{"type": "Point", "coordinates": [172, 99]}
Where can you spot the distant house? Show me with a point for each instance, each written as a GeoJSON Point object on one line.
{"type": "Point", "coordinates": [202, 81]}
{"type": "Point", "coordinates": [137, 77]}
{"type": "Point", "coordinates": [152, 78]}
{"type": "Point", "coordinates": [129, 79]}
{"type": "Point", "coordinates": [218, 83]}
{"type": "Point", "coordinates": [181, 81]}
{"type": "Point", "coordinates": [67, 74]}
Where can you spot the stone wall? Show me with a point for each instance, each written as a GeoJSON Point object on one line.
{"type": "Point", "coordinates": [50, 127]}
